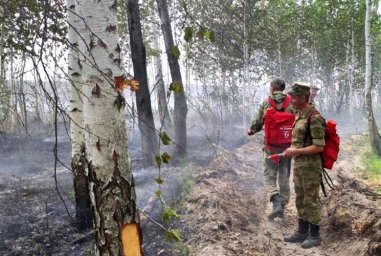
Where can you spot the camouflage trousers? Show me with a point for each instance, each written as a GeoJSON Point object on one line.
{"type": "Point", "coordinates": [276, 177]}
{"type": "Point", "coordinates": [307, 186]}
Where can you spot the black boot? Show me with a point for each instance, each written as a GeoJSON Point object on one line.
{"type": "Point", "coordinates": [313, 238]}
{"type": "Point", "coordinates": [300, 235]}
{"type": "Point", "coordinates": [277, 208]}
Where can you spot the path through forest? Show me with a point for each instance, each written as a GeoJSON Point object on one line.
{"type": "Point", "coordinates": [227, 212]}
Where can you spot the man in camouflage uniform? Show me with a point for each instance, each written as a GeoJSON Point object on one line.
{"type": "Point", "coordinates": [307, 142]}
{"type": "Point", "coordinates": [274, 172]}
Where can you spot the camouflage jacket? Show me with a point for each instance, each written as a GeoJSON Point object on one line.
{"type": "Point", "coordinates": [306, 133]}
{"type": "Point", "coordinates": [278, 97]}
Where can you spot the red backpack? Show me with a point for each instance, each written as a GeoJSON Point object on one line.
{"type": "Point", "coordinates": [330, 152]}
{"type": "Point", "coordinates": [278, 126]}
{"type": "Point", "coordinates": [332, 143]}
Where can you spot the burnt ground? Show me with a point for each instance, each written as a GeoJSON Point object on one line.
{"type": "Point", "coordinates": [225, 214]}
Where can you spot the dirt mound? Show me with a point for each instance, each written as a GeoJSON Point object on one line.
{"type": "Point", "coordinates": [221, 209]}
{"type": "Point", "coordinates": [227, 212]}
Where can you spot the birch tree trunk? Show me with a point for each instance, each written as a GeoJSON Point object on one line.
{"type": "Point", "coordinates": [83, 214]}
{"type": "Point", "coordinates": [165, 116]}
{"type": "Point", "coordinates": [143, 99]}
{"type": "Point", "coordinates": [180, 109]}
{"type": "Point", "coordinates": [2, 31]}
{"type": "Point", "coordinates": [374, 135]}
{"type": "Point", "coordinates": [350, 72]}
{"type": "Point", "coordinates": [245, 71]}
{"type": "Point", "coordinates": [22, 100]}
{"type": "Point", "coordinates": [112, 188]}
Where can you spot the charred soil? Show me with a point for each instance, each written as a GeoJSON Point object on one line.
{"type": "Point", "coordinates": [225, 214]}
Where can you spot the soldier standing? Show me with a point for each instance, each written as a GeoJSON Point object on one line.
{"type": "Point", "coordinates": [274, 172]}
{"type": "Point", "coordinates": [313, 92]}
{"type": "Point", "coordinates": [307, 143]}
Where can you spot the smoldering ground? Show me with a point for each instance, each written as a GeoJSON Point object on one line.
{"type": "Point", "coordinates": [225, 213]}
{"type": "Point", "coordinates": [37, 216]}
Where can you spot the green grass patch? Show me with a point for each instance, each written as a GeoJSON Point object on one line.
{"type": "Point", "coordinates": [372, 163]}
{"type": "Point", "coordinates": [378, 190]}
{"type": "Point", "coordinates": [371, 169]}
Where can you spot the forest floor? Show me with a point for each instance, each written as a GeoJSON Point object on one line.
{"type": "Point", "coordinates": [227, 211]}
{"type": "Point", "coordinates": [224, 214]}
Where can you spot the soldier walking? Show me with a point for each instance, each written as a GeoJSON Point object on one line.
{"type": "Point", "coordinates": [275, 173]}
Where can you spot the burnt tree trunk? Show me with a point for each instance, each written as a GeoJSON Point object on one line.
{"type": "Point", "coordinates": [143, 99]}
{"type": "Point", "coordinates": [180, 109]}
{"type": "Point", "coordinates": [83, 213]}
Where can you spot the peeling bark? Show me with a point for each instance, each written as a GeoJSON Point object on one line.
{"type": "Point", "coordinates": [111, 185]}
{"type": "Point", "coordinates": [83, 214]}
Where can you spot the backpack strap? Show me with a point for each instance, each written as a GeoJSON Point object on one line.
{"type": "Point", "coordinates": [309, 117]}
{"type": "Point", "coordinates": [325, 175]}
{"type": "Point", "coordinates": [286, 102]}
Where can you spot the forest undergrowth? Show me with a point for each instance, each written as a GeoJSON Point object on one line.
{"type": "Point", "coordinates": [223, 207]}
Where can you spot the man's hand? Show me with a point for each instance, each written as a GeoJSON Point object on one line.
{"type": "Point", "coordinates": [250, 132]}
{"type": "Point", "coordinates": [291, 152]}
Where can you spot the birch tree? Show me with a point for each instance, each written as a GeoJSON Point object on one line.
{"type": "Point", "coordinates": [78, 153]}
{"type": "Point", "coordinates": [143, 98]}
{"type": "Point", "coordinates": [165, 117]}
{"type": "Point", "coordinates": [374, 135]}
{"type": "Point", "coordinates": [111, 184]}
{"type": "Point", "coordinates": [2, 32]}
{"type": "Point", "coordinates": [180, 108]}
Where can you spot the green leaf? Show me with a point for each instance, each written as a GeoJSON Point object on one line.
{"type": "Point", "coordinates": [210, 36]}
{"type": "Point", "coordinates": [165, 138]}
{"type": "Point", "coordinates": [158, 193]}
{"type": "Point", "coordinates": [159, 180]}
{"type": "Point", "coordinates": [175, 52]}
{"type": "Point", "coordinates": [158, 160]}
{"type": "Point", "coordinates": [176, 87]}
{"type": "Point", "coordinates": [165, 216]}
{"type": "Point", "coordinates": [172, 213]}
{"type": "Point", "coordinates": [188, 34]}
{"type": "Point", "coordinates": [201, 33]}
{"type": "Point", "coordinates": [166, 157]}
{"type": "Point", "coordinates": [169, 213]}
{"type": "Point", "coordinates": [173, 235]}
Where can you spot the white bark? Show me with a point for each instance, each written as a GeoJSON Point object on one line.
{"type": "Point", "coordinates": [245, 71]}
{"type": "Point", "coordinates": [165, 115]}
{"type": "Point", "coordinates": [111, 183]}
{"type": "Point", "coordinates": [78, 162]}
{"type": "Point", "coordinates": [76, 101]}
{"type": "Point", "coordinates": [2, 31]}
{"type": "Point", "coordinates": [368, 49]}
{"type": "Point", "coordinates": [374, 135]}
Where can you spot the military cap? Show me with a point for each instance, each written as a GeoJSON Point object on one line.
{"type": "Point", "coordinates": [300, 88]}
{"type": "Point", "coordinates": [278, 83]}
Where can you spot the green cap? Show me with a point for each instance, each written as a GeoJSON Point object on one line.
{"type": "Point", "coordinates": [300, 88]}
{"type": "Point", "coordinates": [278, 83]}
